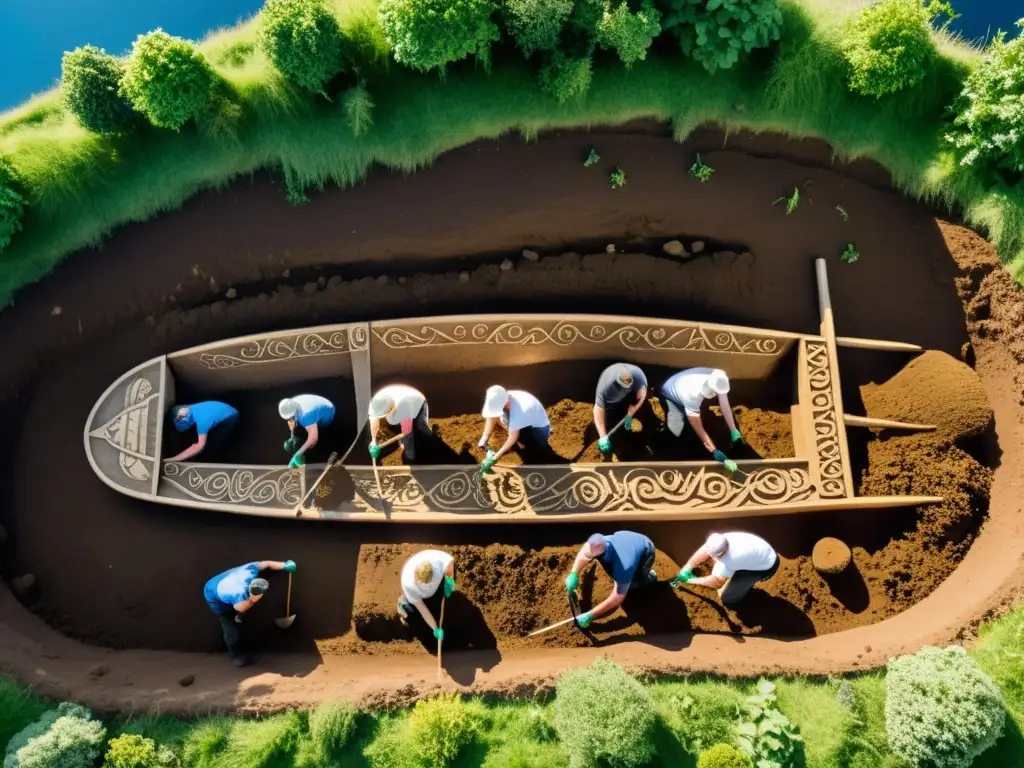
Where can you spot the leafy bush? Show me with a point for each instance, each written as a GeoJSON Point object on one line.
{"type": "Point", "coordinates": [765, 734]}
{"type": "Point", "coordinates": [205, 743]}
{"type": "Point", "coordinates": [90, 82]}
{"type": "Point", "coordinates": [130, 751]}
{"type": "Point", "coordinates": [716, 32]}
{"type": "Point", "coordinates": [989, 123]}
{"type": "Point", "coordinates": [566, 78]}
{"type": "Point", "coordinates": [941, 710]}
{"type": "Point", "coordinates": [428, 34]}
{"type": "Point", "coordinates": [303, 40]}
{"type": "Point", "coordinates": [535, 25]}
{"type": "Point", "coordinates": [887, 47]}
{"type": "Point", "coordinates": [391, 747]}
{"type": "Point", "coordinates": [440, 727]}
{"type": "Point", "coordinates": [13, 202]}
{"type": "Point", "coordinates": [525, 754]}
{"type": "Point", "coordinates": [331, 725]}
{"type": "Point", "coordinates": [700, 717]}
{"type": "Point", "coordinates": [167, 79]}
{"type": "Point", "coordinates": [65, 737]}
{"type": "Point", "coordinates": [579, 37]}
{"type": "Point", "coordinates": [723, 756]}
{"type": "Point", "coordinates": [603, 715]}
{"type": "Point", "coordinates": [358, 106]}
{"type": "Point", "coordinates": [629, 34]}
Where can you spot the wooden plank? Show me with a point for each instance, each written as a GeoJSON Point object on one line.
{"type": "Point", "coordinates": [799, 429]}
{"type": "Point", "coordinates": [828, 331]}
{"type": "Point", "coordinates": [805, 412]}
{"type": "Point", "coordinates": [161, 408]}
{"type": "Point", "coordinates": [864, 421]}
{"type": "Point", "coordinates": [877, 344]}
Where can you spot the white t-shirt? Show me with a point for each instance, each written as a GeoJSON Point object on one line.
{"type": "Point", "coordinates": [525, 410]}
{"type": "Point", "coordinates": [686, 388]}
{"type": "Point", "coordinates": [408, 402]}
{"type": "Point", "coordinates": [413, 590]}
{"type": "Point", "coordinates": [746, 552]}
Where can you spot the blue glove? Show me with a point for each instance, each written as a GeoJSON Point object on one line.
{"type": "Point", "coordinates": [289, 565]}
{"type": "Point", "coordinates": [296, 462]}
{"type": "Point", "coordinates": [449, 586]}
{"type": "Point", "coordinates": [374, 451]}
{"type": "Point", "coordinates": [604, 444]}
{"type": "Point", "coordinates": [439, 634]}
{"type": "Point", "coordinates": [584, 620]}
{"type": "Point", "coordinates": [736, 436]}
{"type": "Point", "coordinates": [719, 456]}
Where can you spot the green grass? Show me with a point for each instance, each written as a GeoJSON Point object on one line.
{"type": "Point", "coordinates": [83, 186]}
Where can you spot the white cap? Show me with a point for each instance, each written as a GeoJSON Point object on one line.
{"type": "Point", "coordinates": [287, 408]}
{"type": "Point", "coordinates": [380, 405]}
{"type": "Point", "coordinates": [716, 545]}
{"type": "Point", "coordinates": [494, 402]}
{"type": "Point", "coordinates": [718, 382]}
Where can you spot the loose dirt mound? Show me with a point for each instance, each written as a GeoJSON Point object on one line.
{"type": "Point", "coordinates": [933, 389]}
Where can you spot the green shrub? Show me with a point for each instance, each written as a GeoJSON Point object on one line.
{"type": "Point", "coordinates": [535, 25]}
{"type": "Point", "coordinates": [167, 79]}
{"type": "Point", "coordinates": [566, 78]}
{"type": "Point", "coordinates": [90, 82]}
{"type": "Point", "coordinates": [887, 47]}
{"type": "Point", "coordinates": [525, 754]}
{"type": "Point", "coordinates": [989, 124]}
{"type": "Point", "coordinates": [205, 743]}
{"type": "Point", "coordinates": [723, 756]}
{"type": "Point", "coordinates": [716, 32]}
{"type": "Point", "coordinates": [440, 728]}
{"type": "Point", "coordinates": [701, 715]}
{"type": "Point", "coordinates": [65, 737]}
{"type": "Point", "coordinates": [941, 710]}
{"type": "Point", "coordinates": [603, 715]}
{"type": "Point", "coordinates": [428, 34]}
{"type": "Point", "coordinates": [130, 751]}
{"type": "Point", "coordinates": [331, 725]}
{"type": "Point", "coordinates": [358, 106]}
{"type": "Point", "coordinates": [629, 34]}
{"type": "Point", "coordinates": [766, 735]}
{"type": "Point", "coordinates": [303, 40]}
{"type": "Point", "coordinates": [579, 37]}
{"type": "Point", "coordinates": [13, 202]}
{"type": "Point", "coordinates": [391, 746]}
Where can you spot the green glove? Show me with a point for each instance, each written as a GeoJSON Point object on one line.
{"type": "Point", "coordinates": [584, 620]}
{"type": "Point", "coordinates": [487, 464]}
{"type": "Point", "coordinates": [572, 581]}
{"type": "Point", "coordinates": [289, 565]}
{"type": "Point", "coordinates": [439, 634]}
{"type": "Point", "coordinates": [604, 444]}
{"type": "Point", "coordinates": [374, 451]}
{"type": "Point", "coordinates": [449, 586]}
{"type": "Point", "coordinates": [291, 444]}
{"type": "Point", "coordinates": [297, 461]}
{"type": "Point", "coordinates": [730, 465]}
{"type": "Point", "coordinates": [683, 577]}
{"type": "Point", "coordinates": [627, 423]}
{"type": "Point", "coordinates": [736, 436]}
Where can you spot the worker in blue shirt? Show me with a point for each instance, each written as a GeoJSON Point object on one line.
{"type": "Point", "coordinates": [232, 593]}
{"type": "Point", "coordinates": [204, 417]}
{"type": "Point", "coordinates": [311, 412]}
{"type": "Point", "coordinates": [626, 556]}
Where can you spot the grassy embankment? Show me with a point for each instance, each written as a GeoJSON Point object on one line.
{"type": "Point", "coordinates": [83, 185]}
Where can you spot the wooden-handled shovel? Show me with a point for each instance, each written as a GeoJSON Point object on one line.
{"type": "Point", "coordinates": [302, 504]}
{"type": "Point", "coordinates": [440, 624]}
{"type": "Point", "coordinates": [289, 617]}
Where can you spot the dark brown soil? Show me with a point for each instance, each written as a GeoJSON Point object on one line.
{"type": "Point", "coordinates": [120, 573]}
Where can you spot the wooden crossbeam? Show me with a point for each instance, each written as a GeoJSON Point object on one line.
{"type": "Point", "coordinates": [864, 421]}
{"type": "Point", "coordinates": [852, 342]}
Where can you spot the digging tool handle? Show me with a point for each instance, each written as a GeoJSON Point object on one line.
{"type": "Point", "coordinates": [441, 625]}
{"type": "Point", "coordinates": [391, 440]}
{"type": "Point", "coordinates": [614, 429]}
{"type": "Point", "coordinates": [288, 600]}
{"type": "Point", "coordinates": [376, 476]}
{"type": "Point", "coordinates": [330, 463]}
{"type": "Point", "coordinates": [552, 626]}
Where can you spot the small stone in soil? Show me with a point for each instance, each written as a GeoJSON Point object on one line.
{"type": "Point", "coordinates": [610, 248]}
{"type": "Point", "coordinates": [674, 248]}
{"type": "Point", "coordinates": [56, 311]}
{"type": "Point", "coordinates": [384, 278]}
{"type": "Point", "coordinates": [321, 281]}
{"type": "Point", "coordinates": [230, 293]}
{"type": "Point", "coordinates": [334, 281]}
{"type": "Point", "coordinates": [531, 255]}
{"type": "Point", "coordinates": [401, 280]}
{"type": "Point", "coordinates": [186, 681]}
{"type": "Point", "coordinates": [506, 265]}
{"type": "Point", "coordinates": [463, 277]}
{"type": "Point", "coordinates": [286, 273]}
{"type": "Point", "coordinates": [697, 247]}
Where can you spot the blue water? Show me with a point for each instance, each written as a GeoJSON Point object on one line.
{"type": "Point", "coordinates": [979, 19]}
{"type": "Point", "coordinates": [35, 33]}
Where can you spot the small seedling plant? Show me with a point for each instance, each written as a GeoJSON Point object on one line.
{"type": "Point", "coordinates": [766, 735]}
{"type": "Point", "coordinates": [850, 255]}
{"type": "Point", "coordinates": [592, 159]}
{"type": "Point", "coordinates": [617, 178]}
{"type": "Point", "coordinates": [700, 171]}
{"type": "Point", "coordinates": [791, 202]}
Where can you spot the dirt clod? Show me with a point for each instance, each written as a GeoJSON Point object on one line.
{"type": "Point", "coordinates": [100, 670]}
{"type": "Point", "coordinates": [531, 255]}
{"type": "Point", "coordinates": [697, 246]}
{"type": "Point", "coordinates": [186, 681]}
{"type": "Point", "coordinates": [674, 248]}
{"type": "Point", "coordinates": [830, 556]}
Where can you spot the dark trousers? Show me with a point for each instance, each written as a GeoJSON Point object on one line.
{"type": "Point", "coordinates": [229, 628]}
{"type": "Point", "coordinates": [642, 577]}
{"type": "Point", "coordinates": [421, 425]}
{"type": "Point", "coordinates": [743, 581]}
{"type": "Point", "coordinates": [537, 435]}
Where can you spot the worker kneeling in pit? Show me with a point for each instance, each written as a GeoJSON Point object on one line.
{"type": "Point", "coordinates": [626, 556]}
{"type": "Point", "coordinates": [205, 417]}
{"type": "Point", "coordinates": [685, 393]}
{"type": "Point", "coordinates": [232, 593]}
{"type": "Point", "coordinates": [520, 413]}
{"type": "Point", "coordinates": [621, 390]}
{"type": "Point", "coordinates": [311, 412]}
{"type": "Point", "coordinates": [400, 405]}
{"type": "Point", "coordinates": [422, 574]}
{"type": "Point", "coordinates": [741, 560]}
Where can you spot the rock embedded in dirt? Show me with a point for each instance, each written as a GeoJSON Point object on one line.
{"type": "Point", "coordinates": [934, 388]}
{"type": "Point", "coordinates": [230, 293]}
{"type": "Point", "coordinates": [831, 556]}
{"type": "Point", "coordinates": [697, 246]}
{"type": "Point", "coordinates": [674, 248]}
{"type": "Point", "coordinates": [610, 248]}
{"type": "Point", "coordinates": [321, 282]}
{"type": "Point", "coordinates": [334, 281]}
{"type": "Point", "coordinates": [186, 681]}
{"type": "Point", "coordinates": [100, 670]}
{"type": "Point", "coordinates": [506, 265]}
{"type": "Point", "coordinates": [310, 288]}
{"type": "Point", "coordinates": [531, 255]}
{"type": "Point", "coordinates": [463, 277]}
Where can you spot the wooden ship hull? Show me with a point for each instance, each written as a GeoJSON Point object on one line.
{"type": "Point", "coordinates": [124, 431]}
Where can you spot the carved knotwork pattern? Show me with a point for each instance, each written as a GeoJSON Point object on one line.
{"type": "Point", "coordinates": [508, 491]}
{"type": "Point", "coordinates": [213, 484]}
{"type": "Point", "coordinates": [689, 338]}
{"type": "Point", "coordinates": [128, 431]}
{"type": "Point", "coordinates": [271, 350]}
{"type": "Point", "coordinates": [823, 417]}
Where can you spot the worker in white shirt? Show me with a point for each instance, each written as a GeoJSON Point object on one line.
{"type": "Point", "coordinates": [685, 393]}
{"type": "Point", "coordinates": [422, 574]}
{"type": "Point", "coordinates": [520, 413]}
{"type": "Point", "coordinates": [741, 560]}
{"type": "Point", "coordinates": [311, 412]}
{"type": "Point", "coordinates": [403, 406]}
